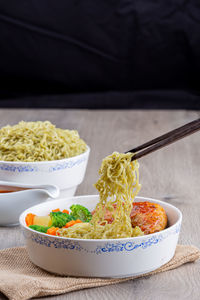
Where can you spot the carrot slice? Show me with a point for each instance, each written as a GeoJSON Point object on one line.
{"type": "Point", "coordinates": [52, 230]}
{"type": "Point", "coordinates": [71, 223]}
{"type": "Point", "coordinates": [29, 219]}
{"type": "Point", "coordinates": [55, 210]}
{"type": "Point", "coordinates": [65, 211]}
{"type": "Point", "coordinates": [78, 221]}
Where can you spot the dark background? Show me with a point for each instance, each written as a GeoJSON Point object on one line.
{"type": "Point", "coordinates": [100, 54]}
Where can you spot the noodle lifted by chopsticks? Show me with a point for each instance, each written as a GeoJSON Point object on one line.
{"type": "Point", "coordinates": [118, 184]}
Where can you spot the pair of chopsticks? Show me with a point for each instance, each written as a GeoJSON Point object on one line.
{"type": "Point", "coordinates": [165, 139]}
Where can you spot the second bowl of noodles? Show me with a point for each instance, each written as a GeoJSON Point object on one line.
{"type": "Point", "coordinates": [40, 153]}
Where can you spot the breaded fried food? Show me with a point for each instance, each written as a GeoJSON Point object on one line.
{"type": "Point", "coordinates": [150, 217]}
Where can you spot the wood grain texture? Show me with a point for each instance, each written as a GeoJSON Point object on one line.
{"type": "Point", "coordinates": [171, 174]}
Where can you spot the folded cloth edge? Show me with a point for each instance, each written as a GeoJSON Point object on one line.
{"type": "Point", "coordinates": [184, 254]}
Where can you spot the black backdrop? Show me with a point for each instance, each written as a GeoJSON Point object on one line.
{"type": "Point", "coordinates": [108, 53]}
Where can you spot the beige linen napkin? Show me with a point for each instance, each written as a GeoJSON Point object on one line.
{"type": "Point", "coordinates": [20, 279]}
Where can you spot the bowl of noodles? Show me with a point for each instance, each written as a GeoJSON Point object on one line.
{"type": "Point", "coordinates": [121, 257]}
{"type": "Point", "coordinates": [40, 153]}
{"type": "Point", "coordinates": [105, 235]}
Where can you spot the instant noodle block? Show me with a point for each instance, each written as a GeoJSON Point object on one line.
{"type": "Point", "coordinates": [122, 257]}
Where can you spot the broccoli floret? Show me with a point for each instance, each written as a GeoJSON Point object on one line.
{"type": "Point", "coordinates": [39, 228]}
{"type": "Point", "coordinates": [80, 212]}
{"type": "Point", "coordinates": [59, 219]}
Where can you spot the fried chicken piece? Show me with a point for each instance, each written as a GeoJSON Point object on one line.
{"type": "Point", "coordinates": [150, 217]}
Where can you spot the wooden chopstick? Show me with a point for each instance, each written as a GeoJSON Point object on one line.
{"type": "Point", "coordinates": [166, 139]}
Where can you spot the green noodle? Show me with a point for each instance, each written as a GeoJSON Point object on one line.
{"type": "Point", "coordinates": [38, 141]}
{"type": "Point", "coordinates": [118, 184]}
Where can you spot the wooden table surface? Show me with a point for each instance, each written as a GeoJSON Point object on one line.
{"type": "Point", "coordinates": [171, 174]}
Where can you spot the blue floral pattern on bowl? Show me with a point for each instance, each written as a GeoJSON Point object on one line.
{"type": "Point", "coordinates": [19, 169]}
{"type": "Point", "coordinates": [52, 242]}
{"type": "Point", "coordinates": [105, 248]}
{"type": "Point", "coordinates": [67, 165]}
{"type": "Point", "coordinates": [32, 168]}
{"type": "Point", "coordinates": [130, 246]}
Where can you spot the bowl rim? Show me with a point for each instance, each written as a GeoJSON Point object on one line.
{"type": "Point", "coordinates": [47, 161]}
{"type": "Point", "coordinates": [107, 240]}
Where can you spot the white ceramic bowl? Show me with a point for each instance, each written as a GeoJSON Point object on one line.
{"type": "Point", "coordinates": [66, 174]}
{"type": "Point", "coordinates": [101, 258]}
